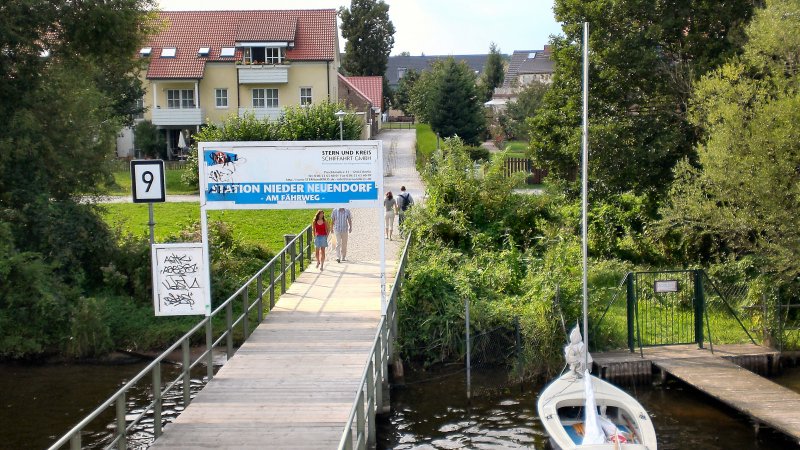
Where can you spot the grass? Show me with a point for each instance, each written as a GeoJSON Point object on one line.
{"type": "Point", "coordinates": [516, 149]}
{"type": "Point", "coordinates": [172, 178]}
{"type": "Point", "coordinates": [265, 227]}
{"type": "Point", "coordinates": [426, 142]}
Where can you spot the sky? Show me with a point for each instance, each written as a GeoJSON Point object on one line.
{"type": "Point", "coordinates": [432, 27]}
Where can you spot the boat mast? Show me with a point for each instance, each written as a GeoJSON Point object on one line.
{"type": "Point", "coordinates": [585, 190]}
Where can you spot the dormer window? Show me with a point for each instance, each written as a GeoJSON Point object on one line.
{"type": "Point", "coordinates": [168, 52]}
{"type": "Point", "coordinates": [145, 51]}
{"type": "Point", "coordinates": [203, 51]}
{"type": "Point", "coordinates": [263, 55]}
{"type": "Point", "coordinates": [227, 52]}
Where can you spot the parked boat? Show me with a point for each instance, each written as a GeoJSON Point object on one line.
{"type": "Point", "coordinates": [579, 410]}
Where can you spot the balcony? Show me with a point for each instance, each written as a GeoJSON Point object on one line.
{"type": "Point", "coordinates": [178, 116]}
{"type": "Point", "coordinates": [262, 113]}
{"type": "Point", "coordinates": [263, 73]}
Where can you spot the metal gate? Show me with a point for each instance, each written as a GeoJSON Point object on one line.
{"type": "Point", "coordinates": [665, 308]}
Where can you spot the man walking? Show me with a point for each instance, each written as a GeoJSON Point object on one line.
{"type": "Point", "coordinates": [342, 227]}
{"type": "Point", "coordinates": [404, 201]}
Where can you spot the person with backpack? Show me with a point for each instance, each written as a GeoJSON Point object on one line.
{"type": "Point", "coordinates": [404, 201]}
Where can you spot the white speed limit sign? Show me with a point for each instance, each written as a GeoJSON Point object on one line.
{"type": "Point", "coordinates": [147, 181]}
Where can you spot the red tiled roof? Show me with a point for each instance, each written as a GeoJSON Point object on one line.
{"type": "Point", "coordinates": [312, 31]}
{"type": "Point", "coordinates": [370, 87]}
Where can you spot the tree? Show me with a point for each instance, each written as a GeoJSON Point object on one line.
{"type": "Point", "coordinates": [149, 140]}
{"type": "Point", "coordinates": [370, 37]}
{"type": "Point", "coordinates": [66, 89]}
{"type": "Point", "coordinates": [527, 104]}
{"type": "Point", "coordinates": [742, 200]}
{"type": "Point", "coordinates": [455, 109]}
{"type": "Point", "coordinates": [402, 96]}
{"type": "Point", "coordinates": [645, 56]}
{"type": "Point", "coordinates": [493, 72]}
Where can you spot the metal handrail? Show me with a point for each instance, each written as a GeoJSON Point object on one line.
{"type": "Point", "coordinates": [370, 388]}
{"type": "Point", "coordinates": [303, 240]}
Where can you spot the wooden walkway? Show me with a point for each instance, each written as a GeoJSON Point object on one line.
{"type": "Point", "coordinates": [292, 384]}
{"type": "Point", "coordinates": [764, 401]}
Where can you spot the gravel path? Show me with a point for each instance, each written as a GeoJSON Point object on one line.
{"type": "Point", "coordinates": [364, 241]}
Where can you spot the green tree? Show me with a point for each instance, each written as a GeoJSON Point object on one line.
{"type": "Point", "coordinates": [527, 104]}
{"type": "Point", "coordinates": [402, 97]}
{"type": "Point", "coordinates": [370, 37]}
{"type": "Point", "coordinates": [742, 199]}
{"type": "Point", "coordinates": [493, 72]}
{"type": "Point", "coordinates": [645, 56]}
{"type": "Point", "coordinates": [66, 89]}
{"type": "Point", "coordinates": [455, 109]}
{"type": "Point", "coordinates": [149, 140]}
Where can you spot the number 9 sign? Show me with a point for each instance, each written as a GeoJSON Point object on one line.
{"type": "Point", "coordinates": [147, 181]}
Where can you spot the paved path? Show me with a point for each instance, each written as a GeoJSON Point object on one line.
{"type": "Point", "coordinates": [293, 382]}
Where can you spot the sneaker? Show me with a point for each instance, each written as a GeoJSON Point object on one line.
{"type": "Point", "coordinates": [337, 260]}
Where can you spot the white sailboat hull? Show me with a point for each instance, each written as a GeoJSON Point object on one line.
{"type": "Point", "coordinates": [561, 406]}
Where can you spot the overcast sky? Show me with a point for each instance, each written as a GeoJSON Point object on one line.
{"type": "Point", "coordinates": [433, 27]}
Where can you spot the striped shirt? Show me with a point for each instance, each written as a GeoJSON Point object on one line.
{"type": "Point", "coordinates": [340, 219]}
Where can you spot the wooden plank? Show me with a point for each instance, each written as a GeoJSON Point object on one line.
{"type": "Point", "coordinates": [292, 384]}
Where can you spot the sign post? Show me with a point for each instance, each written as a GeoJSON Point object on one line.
{"type": "Point", "coordinates": [292, 175]}
{"type": "Point", "coordinates": [147, 186]}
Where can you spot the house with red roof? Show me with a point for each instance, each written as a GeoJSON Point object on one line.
{"type": "Point", "coordinates": [204, 66]}
{"type": "Point", "coordinates": [365, 96]}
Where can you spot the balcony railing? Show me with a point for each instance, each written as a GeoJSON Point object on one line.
{"type": "Point", "coordinates": [178, 116]}
{"type": "Point", "coordinates": [262, 113]}
{"type": "Point", "coordinates": [263, 73]}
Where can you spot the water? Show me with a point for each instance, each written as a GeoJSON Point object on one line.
{"type": "Point", "coordinates": [435, 415]}
{"type": "Point", "coordinates": [38, 404]}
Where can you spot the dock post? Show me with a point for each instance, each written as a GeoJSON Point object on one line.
{"type": "Point", "coordinates": [631, 295]}
{"type": "Point", "coordinates": [699, 307]}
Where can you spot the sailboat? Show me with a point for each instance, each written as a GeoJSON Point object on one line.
{"type": "Point", "coordinates": [579, 410]}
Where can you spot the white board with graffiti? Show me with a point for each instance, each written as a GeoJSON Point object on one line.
{"type": "Point", "coordinates": [179, 280]}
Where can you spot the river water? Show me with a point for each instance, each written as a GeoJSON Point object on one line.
{"type": "Point", "coordinates": [40, 403]}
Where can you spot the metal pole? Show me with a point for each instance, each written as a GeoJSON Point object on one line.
{"type": "Point", "coordinates": [341, 132]}
{"type": "Point", "coordinates": [152, 224]}
{"type": "Point", "coordinates": [469, 365]}
{"type": "Point", "coordinates": [585, 189]}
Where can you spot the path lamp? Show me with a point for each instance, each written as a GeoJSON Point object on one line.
{"type": "Point", "coordinates": [340, 115]}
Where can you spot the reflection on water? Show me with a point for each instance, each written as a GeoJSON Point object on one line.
{"type": "Point", "coordinates": [435, 415]}
{"type": "Point", "coordinates": [39, 404]}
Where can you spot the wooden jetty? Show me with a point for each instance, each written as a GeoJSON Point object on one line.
{"type": "Point", "coordinates": [292, 384]}
{"type": "Point", "coordinates": [719, 375]}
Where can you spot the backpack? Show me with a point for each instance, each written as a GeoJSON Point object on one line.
{"type": "Point", "coordinates": [404, 202]}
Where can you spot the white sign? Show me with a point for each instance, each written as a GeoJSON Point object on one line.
{"type": "Point", "coordinates": [180, 280]}
{"type": "Point", "coordinates": [290, 175]}
{"type": "Point", "coordinates": [664, 286]}
{"type": "Point", "coordinates": [147, 181]}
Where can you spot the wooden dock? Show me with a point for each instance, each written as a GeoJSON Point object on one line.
{"type": "Point", "coordinates": [292, 384]}
{"type": "Point", "coordinates": [719, 376]}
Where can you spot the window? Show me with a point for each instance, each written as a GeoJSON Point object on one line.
{"type": "Point", "coordinates": [221, 96]}
{"type": "Point", "coordinates": [401, 71]}
{"type": "Point", "coordinates": [180, 98]}
{"type": "Point", "coordinates": [274, 55]}
{"type": "Point", "coordinates": [203, 51]}
{"type": "Point", "coordinates": [139, 108]}
{"type": "Point", "coordinates": [265, 98]}
{"type": "Point", "coordinates": [227, 52]}
{"type": "Point", "coordinates": [305, 96]}
{"type": "Point", "coordinates": [145, 51]}
{"type": "Point", "coordinates": [168, 52]}
{"type": "Point", "coordinates": [263, 55]}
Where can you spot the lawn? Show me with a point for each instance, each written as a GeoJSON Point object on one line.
{"type": "Point", "coordinates": [426, 142]}
{"type": "Point", "coordinates": [516, 149]}
{"type": "Point", "coordinates": [265, 227]}
{"type": "Point", "coordinates": [172, 178]}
